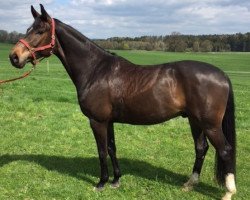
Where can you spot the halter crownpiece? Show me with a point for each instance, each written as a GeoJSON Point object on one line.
{"type": "Point", "coordinates": [48, 46]}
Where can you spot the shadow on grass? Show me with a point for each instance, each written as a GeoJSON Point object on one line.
{"type": "Point", "coordinates": [81, 167]}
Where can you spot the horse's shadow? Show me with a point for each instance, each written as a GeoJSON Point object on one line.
{"type": "Point", "coordinates": [80, 168]}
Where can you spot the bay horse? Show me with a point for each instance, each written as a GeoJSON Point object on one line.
{"type": "Point", "coordinates": [111, 89]}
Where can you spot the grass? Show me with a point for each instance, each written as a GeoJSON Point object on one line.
{"type": "Point", "coordinates": [47, 150]}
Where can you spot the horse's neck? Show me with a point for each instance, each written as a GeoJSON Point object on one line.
{"type": "Point", "coordinates": [78, 54]}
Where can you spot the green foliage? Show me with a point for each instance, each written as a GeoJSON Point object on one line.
{"type": "Point", "coordinates": [206, 46]}
{"type": "Point", "coordinates": [176, 42]}
{"type": "Point", "coordinates": [47, 150]}
{"type": "Point", "coordinates": [11, 37]}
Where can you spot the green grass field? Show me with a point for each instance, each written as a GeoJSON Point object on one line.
{"type": "Point", "coordinates": [47, 150]}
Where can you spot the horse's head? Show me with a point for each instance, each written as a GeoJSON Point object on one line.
{"type": "Point", "coordinates": [38, 41]}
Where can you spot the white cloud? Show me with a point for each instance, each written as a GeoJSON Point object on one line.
{"type": "Point", "coordinates": [108, 18]}
{"type": "Point", "coordinates": [91, 2]}
{"type": "Point", "coordinates": [15, 14]}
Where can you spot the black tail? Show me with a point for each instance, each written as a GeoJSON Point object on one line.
{"type": "Point", "coordinates": [228, 127]}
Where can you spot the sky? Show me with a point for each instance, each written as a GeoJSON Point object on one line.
{"type": "Point", "coordinates": [101, 19]}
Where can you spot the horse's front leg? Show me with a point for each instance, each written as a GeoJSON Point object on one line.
{"type": "Point", "coordinates": [100, 133]}
{"type": "Point", "coordinates": [112, 154]}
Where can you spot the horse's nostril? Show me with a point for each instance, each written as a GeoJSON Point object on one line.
{"type": "Point", "coordinates": [14, 59]}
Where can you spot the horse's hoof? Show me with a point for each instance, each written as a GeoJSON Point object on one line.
{"type": "Point", "coordinates": [226, 198]}
{"type": "Point", "coordinates": [187, 188]}
{"type": "Point", "coordinates": [99, 187]}
{"type": "Point", "coordinates": [228, 195]}
{"type": "Point", "coordinates": [115, 184]}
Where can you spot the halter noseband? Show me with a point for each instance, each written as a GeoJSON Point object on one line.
{"type": "Point", "coordinates": [48, 46]}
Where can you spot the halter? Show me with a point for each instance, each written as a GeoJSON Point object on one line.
{"type": "Point", "coordinates": [32, 50]}
{"type": "Point", "coordinates": [48, 46]}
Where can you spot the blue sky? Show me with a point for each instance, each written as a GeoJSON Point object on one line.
{"type": "Point", "coordinates": [109, 18]}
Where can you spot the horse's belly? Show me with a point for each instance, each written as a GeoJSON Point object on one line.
{"type": "Point", "coordinates": [146, 110]}
{"type": "Point", "coordinates": [142, 118]}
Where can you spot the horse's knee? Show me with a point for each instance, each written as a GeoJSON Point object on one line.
{"type": "Point", "coordinates": [201, 152]}
{"type": "Point", "coordinates": [111, 149]}
{"type": "Point", "coordinates": [103, 154]}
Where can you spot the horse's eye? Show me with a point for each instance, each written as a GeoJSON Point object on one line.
{"type": "Point", "coordinates": [39, 32]}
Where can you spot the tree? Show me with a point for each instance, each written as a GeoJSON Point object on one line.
{"type": "Point", "coordinates": [159, 46]}
{"type": "Point", "coordinates": [3, 36]}
{"type": "Point", "coordinates": [181, 46]}
{"type": "Point", "coordinates": [13, 37]}
{"type": "Point", "coordinates": [177, 42]}
{"type": "Point", "coordinates": [124, 45]}
{"type": "Point", "coordinates": [196, 46]}
{"type": "Point", "coordinates": [206, 46]}
{"type": "Point", "coordinates": [248, 42]}
{"type": "Point", "coordinates": [149, 46]}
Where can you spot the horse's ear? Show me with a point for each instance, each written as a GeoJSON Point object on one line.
{"type": "Point", "coordinates": [34, 12]}
{"type": "Point", "coordinates": [45, 16]}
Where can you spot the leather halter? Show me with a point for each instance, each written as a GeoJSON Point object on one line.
{"type": "Point", "coordinates": [48, 46]}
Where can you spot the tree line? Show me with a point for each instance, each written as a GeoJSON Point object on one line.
{"type": "Point", "coordinates": [175, 42]}
{"type": "Point", "coordinates": [12, 37]}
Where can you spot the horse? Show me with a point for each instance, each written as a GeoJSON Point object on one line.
{"type": "Point", "coordinates": [111, 89]}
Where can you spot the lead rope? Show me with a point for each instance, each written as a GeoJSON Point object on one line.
{"type": "Point", "coordinates": [20, 77]}
{"type": "Point", "coordinates": [24, 75]}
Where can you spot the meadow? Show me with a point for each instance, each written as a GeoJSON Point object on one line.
{"type": "Point", "coordinates": [47, 149]}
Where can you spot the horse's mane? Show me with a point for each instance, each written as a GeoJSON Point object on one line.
{"type": "Point", "coordinates": [80, 37]}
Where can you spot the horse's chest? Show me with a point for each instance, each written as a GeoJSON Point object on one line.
{"type": "Point", "coordinates": [95, 104]}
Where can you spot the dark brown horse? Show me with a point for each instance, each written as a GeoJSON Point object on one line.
{"type": "Point", "coordinates": [111, 89]}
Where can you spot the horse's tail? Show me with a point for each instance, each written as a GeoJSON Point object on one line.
{"type": "Point", "coordinates": [228, 127]}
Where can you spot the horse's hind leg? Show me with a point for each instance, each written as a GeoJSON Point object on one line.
{"type": "Point", "coordinates": [224, 150]}
{"type": "Point", "coordinates": [201, 147]}
{"type": "Point", "coordinates": [112, 154]}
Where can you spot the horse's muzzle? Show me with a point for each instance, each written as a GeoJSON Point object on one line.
{"type": "Point", "coordinates": [14, 59]}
